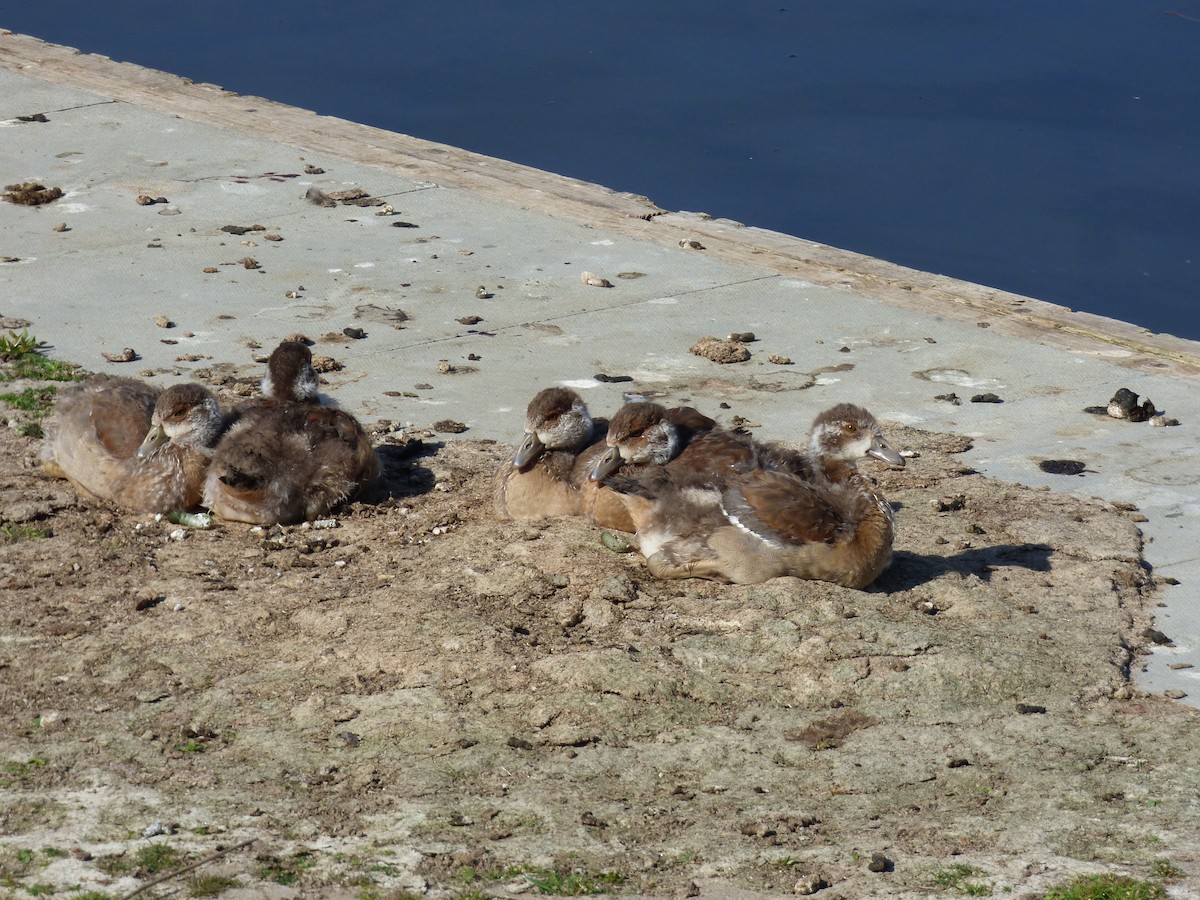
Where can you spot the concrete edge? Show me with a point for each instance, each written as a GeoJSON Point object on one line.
{"type": "Point", "coordinates": [534, 189]}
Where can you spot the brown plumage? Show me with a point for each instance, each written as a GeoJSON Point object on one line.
{"type": "Point", "coordinates": [544, 475]}
{"type": "Point", "coordinates": [644, 435]}
{"type": "Point", "coordinates": [288, 463]}
{"type": "Point", "coordinates": [761, 523]}
{"type": "Point", "coordinates": [290, 374]}
{"type": "Point", "coordinates": [123, 441]}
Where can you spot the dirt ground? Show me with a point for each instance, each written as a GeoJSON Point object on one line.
{"type": "Point", "coordinates": [426, 699]}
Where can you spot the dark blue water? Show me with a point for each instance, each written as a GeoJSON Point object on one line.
{"type": "Point", "coordinates": [1047, 148]}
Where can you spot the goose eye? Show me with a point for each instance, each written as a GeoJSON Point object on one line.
{"type": "Point", "coordinates": [851, 427]}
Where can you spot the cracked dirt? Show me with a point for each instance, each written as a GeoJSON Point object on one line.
{"type": "Point", "coordinates": [426, 699]}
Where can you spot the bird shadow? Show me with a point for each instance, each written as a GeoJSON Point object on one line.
{"type": "Point", "coordinates": [909, 570]}
{"type": "Point", "coordinates": [400, 474]}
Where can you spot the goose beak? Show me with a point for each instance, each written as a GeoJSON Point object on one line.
{"type": "Point", "coordinates": [606, 465]}
{"type": "Point", "coordinates": [153, 440]}
{"type": "Point", "coordinates": [531, 448]}
{"type": "Point", "coordinates": [884, 453]}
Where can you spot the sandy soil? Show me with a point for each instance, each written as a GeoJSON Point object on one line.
{"type": "Point", "coordinates": [426, 699]}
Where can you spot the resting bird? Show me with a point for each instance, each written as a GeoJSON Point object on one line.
{"type": "Point", "coordinates": [285, 458]}
{"type": "Point", "coordinates": [544, 476]}
{"type": "Point", "coordinates": [762, 523]}
{"type": "Point", "coordinates": [289, 463]}
{"type": "Point", "coordinates": [290, 374]}
{"type": "Point", "coordinates": [644, 435]}
{"type": "Point", "coordinates": [121, 440]}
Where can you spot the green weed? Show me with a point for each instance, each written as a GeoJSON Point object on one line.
{"type": "Point", "coordinates": [155, 859]}
{"type": "Point", "coordinates": [21, 533]}
{"type": "Point", "coordinates": [23, 356]}
{"type": "Point", "coordinates": [210, 885]}
{"type": "Point", "coordinates": [955, 877]}
{"type": "Point", "coordinates": [1107, 887]}
{"type": "Point", "coordinates": [38, 401]}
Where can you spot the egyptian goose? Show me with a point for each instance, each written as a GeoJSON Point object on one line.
{"type": "Point", "coordinates": [643, 435]}
{"type": "Point", "coordinates": [544, 475]}
{"type": "Point", "coordinates": [289, 463]}
{"type": "Point", "coordinates": [762, 523]}
{"type": "Point", "coordinates": [121, 440]}
{"type": "Point", "coordinates": [290, 374]}
{"type": "Point", "coordinates": [285, 457]}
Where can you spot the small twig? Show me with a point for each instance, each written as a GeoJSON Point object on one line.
{"type": "Point", "coordinates": [197, 864]}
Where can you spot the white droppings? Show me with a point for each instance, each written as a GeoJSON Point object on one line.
{"type": "Point", "coordinates": [364, 265]}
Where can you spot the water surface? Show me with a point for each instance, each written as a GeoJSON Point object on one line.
{"type": "Point", "coordinates": [1051, 149]}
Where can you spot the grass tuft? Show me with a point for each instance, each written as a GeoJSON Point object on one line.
{"type": "Point", "coordinates": [1107, 887]}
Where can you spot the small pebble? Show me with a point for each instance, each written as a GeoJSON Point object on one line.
{"type": "Point", "coordinates": [356, 333]}
{"type": "Point", "coordinates": [742, 337]}
{"type": "Point", "coordinates": [986, 398]}
{"type": "Point", "coordinates": [163, 322]}
{"type": "Point", "coordinates": [809, 884]}
{"type": "Point", "coordinates": [1030, 709]}
{"type": "Point", "coordinates": [60, 227]}
{"type": "Point", "coordinates": [1174, 694]}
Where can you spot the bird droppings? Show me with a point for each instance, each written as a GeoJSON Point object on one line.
{"type": "Point", "coordinates": [31, 193]}
{"type": "Point", "coordinates": [1062, 466]}
{"type": "Point", "coordinates": [61, 227]}
{"type": "Point", "coordinates": [742, 337]}
{"type": "Point", "coordinates": [986, 398]}
{"type": "Point", "coordinates": [720, 351]}
{"type": "Point", "coordinates": [948, 398]}
{"type": "Point", "coordinates": [354, 333]}
{"type": "Point", "coordinates": [147, 200]}
{"type": "Point", "coordinates": [469, 320]}
{"type": "Point", "coordinates": [776, 359]}
{"type": "Point", "coordinates": [449, 426]}
{"type": "Point", "coordinates": [605, 378]}
{"type": "Point", "coordinates": [690, 245]}
{"type": "Point", "coordinates": [126, 355]}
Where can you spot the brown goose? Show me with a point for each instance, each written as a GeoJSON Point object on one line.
{"type": "Point", "coordinates": [286, 458]}
{"type": "Point", "coordinates": [121, 440]}
{"type": "Point", "coordinates": [644, 435]}
{"type": "Point", "coordinates": [543, 478]}
{"type": "Point", "coordinates": [289, 463]}
{"type": "Point", "coordinates": [763, 523]}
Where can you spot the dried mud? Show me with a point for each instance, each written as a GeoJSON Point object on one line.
{"type": "Point", "coordinates": [426, 699]}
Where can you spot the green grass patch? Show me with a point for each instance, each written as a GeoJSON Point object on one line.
{"type": "Point", "coordinates": [21, 533]}
{"type": "Point", "coordinates": [156, 859]}
{"type": "Point", "coordinates": [24, 768]}
{"type": "Point", "coordinates": [23, 356]}
{"type": "Point", "coordinates": [1107, 887]}
{"type": "Point", "coordinates": [957, 878]}
{"type": "Point", "coordinates": [285, 871]}
{"type": "Point", "coordinates": [37, 400]}
{"type": "Point", "coordinates": [210, 885]}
